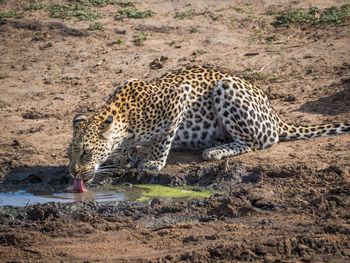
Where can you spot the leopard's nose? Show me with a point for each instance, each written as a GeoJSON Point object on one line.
{"type": "Point", "coordinates": [73, 171]}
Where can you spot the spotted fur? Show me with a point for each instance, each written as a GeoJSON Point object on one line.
{"type": "Point", "coordinates": [190, 108]}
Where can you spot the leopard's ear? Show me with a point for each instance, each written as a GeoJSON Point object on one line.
{"type": "Point", "coordinates": [107, 124]}
{"type": "Point", "coordinates": [77, 119]}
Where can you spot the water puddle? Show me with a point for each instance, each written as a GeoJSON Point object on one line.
{"type": "Point", "coordinates": [28, 195]}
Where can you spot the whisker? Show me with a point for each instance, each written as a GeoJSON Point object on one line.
{"type": "Point", "coordinates": [100, 172]}
{"type": "Point", "coordinates": [106, 170]}
{"type": "Point", "coordinates": [108, 166]}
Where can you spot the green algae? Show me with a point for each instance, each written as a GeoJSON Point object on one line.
{"type": "Point", "coordinates": [151, 191]}
{"type": "Point", "coordinates": [144, 192]}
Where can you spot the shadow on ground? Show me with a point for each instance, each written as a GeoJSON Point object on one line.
{"type": "Point", "coordinates": [38, 175]}
{"type": "Point", "coordinates": [334, 104]}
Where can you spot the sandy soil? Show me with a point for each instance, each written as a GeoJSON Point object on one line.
{"type": "Point", "coordinates": [287, 203]}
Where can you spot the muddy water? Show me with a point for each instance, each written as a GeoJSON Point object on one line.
{"type": "Point", "coordinates": [28, 195]}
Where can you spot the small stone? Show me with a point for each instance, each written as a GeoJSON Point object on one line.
{"type": "Point", "coordinates": [269, 258]}
{"type": "Point", "coordinates": [157, 201]}
{"type": "Point", "coordinates": [158, 63]}
{"type": "Point", "coordinates": [316, 259]}
{"type": "Point", "coordinates": [15, 143]}
{"type": "Point", "coordinates": [306, 258]}
{"type": "Point", "coordinates": [265, 222]}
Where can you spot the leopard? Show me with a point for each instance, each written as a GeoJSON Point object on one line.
{"type": "Point", "coordinates": [195, 107]}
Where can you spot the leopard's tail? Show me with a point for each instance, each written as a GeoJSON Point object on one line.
{"type": "Point", "coordinates": [288, 132]}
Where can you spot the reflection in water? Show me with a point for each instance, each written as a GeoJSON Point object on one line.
{"type": "Point", "coordinates": [30, 195]}
{"type": "Point", "coordinates": [92, 194]}
{"type": "Point", "coordinates": [81, 196]}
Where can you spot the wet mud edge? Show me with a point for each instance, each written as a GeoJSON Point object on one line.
{"type": "Point", "coordinates": [265, 203]}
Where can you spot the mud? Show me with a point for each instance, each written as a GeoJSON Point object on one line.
{"type": "Point", "coordinates": [288, 203]}
{"type": "Point", "coordinates": [285, 215]}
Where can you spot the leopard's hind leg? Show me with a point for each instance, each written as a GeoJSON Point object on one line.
{"type": "Point", "coordinates": [246, 115]}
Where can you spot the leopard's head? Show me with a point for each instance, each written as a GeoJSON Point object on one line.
{"type": "Point", "coordinates": [90, 147]}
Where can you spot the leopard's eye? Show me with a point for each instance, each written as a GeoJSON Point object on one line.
{"type": "Point", "coordinates": [84, 154]}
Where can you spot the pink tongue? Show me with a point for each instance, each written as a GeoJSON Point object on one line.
{"type": "Point", "coordinates": [79, 186]}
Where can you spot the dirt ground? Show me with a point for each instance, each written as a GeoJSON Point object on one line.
{"type": "Point", "coordinates": [288, 203]}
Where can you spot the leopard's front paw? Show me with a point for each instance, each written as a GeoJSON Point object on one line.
{"type": "Point", "coordinates": [212, 155]}
{"type": "Point", "coordinates": [126, 160]}
{"type": "Point", "coordinates": [123, 164]}
{"type": "Point", "coordinates": [155, 166]}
